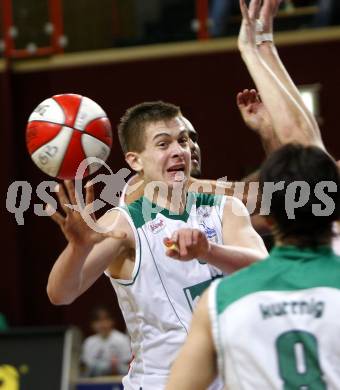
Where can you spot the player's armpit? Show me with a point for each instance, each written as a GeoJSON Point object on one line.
{"type": "Point", "coordinates": [196, 365]}
{"type": "Point", "coordinates": [77, 268]}
{"type": "Point", "coordinates": [118, 256]}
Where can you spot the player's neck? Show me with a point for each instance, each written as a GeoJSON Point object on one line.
{"type": "Point", "coordinates": [293, 241]}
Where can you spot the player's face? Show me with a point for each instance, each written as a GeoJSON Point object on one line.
{"type": "Point", "coordinates": [195, 154]}
{"type": "Point", "coordinates": [194, 148]}
{"type": "Point", "coordinates": [166, 156]}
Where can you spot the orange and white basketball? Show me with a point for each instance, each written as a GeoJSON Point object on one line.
{"type": "Point", "coordinates": [66, 129]}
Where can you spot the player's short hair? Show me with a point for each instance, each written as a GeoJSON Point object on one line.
{"type": "Point", "coordinates": [131, 129]}
{"type": "Point", "coordinates": [312, 165]}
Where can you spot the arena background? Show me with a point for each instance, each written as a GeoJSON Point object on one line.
{"type": "Point", "coordinates": [202, 77]}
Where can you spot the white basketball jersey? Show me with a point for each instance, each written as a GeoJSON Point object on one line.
{"type": "Point", "coordinates": [157, 302]}
{"type": "Point", "coordinates": [276, 324]}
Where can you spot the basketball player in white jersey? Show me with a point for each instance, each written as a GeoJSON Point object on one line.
{"type": "Point", "coordinates": [275, 325]}
{"type": "Point", "coordinates": [156, 293]}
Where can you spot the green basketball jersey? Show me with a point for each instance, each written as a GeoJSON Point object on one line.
{"type": "Point", "coordinates": [276, 324]}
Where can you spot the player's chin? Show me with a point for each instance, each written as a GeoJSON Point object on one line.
{"type": "Point", "coordinates": [176, 179]}
{"type": "Point", "coordinates": [195, 169]}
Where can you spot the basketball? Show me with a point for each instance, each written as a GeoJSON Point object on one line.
{"type": "Point", "coordinates": [66, 129]}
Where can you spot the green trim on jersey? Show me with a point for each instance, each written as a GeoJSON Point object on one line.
{"type": "Point", "coordinates": [286, 269]}
{"type": "Point", "coordinates": [141, 216]}
{"type": "Point", "coordinates": [203, 199]}
{"type": "Point", "coordinates": [131, 282]}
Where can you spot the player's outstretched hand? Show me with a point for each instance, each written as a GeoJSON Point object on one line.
{"type": "Point", "coordinates": [187, 244]}
{"type": "Point", "coordinates": [254, 113]}
{"type": "Point", "coordinates": [268, 11]}
{"type": "Point", "coordinates": [247, 35]}
{"type": "Point", "coordinates": [76, 223]}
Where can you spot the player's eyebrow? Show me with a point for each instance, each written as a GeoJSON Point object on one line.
{"type": "Point", "coordinates": [161, 135]}
{"type": "Point", "coordinates": [182, 132]}
{"type": "Point", "coordinates": [186, 132]}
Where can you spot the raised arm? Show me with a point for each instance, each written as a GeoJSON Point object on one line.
{"type": "Point", "coordinates": [241, 247]}
{"type": "Point", "coordinates": [283, 109]}
{"type": "Point", "coordinates": [88, 252]}
{"type": "Point", "coordinates": [269, 54]}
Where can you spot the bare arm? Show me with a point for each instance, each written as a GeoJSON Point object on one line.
{"type": "Point", "coordinates": [241, 247]}
{"type": "Point", "coordinates": [285, 113]}
{"type": "Point", "coordinates": [88, 252]}
{"type": "Point", "coordinates": [196, 365]}
{"type": "Point", "coordinates": [269, 54]}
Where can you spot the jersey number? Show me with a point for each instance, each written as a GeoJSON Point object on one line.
{"type": "Point", "coordinates": [298, 361]}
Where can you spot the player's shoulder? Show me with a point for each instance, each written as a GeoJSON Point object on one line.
{"type": "Point", "coordinates": [137, 211]}
{"type": "Point", "coordinates": [112, 216]}
{"type": "Point", "coordinates": [235, 206]}
{"type": "Point", "coordinates": [242, 283]}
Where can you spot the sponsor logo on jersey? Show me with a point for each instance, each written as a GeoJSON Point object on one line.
{"type": "Point", "coordinates": [203, 212]}
{"type": "Point", "coordinates": [210, 233]}
{"type": "Point", "coordinates": [157, 225]}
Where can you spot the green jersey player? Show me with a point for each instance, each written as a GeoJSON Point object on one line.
{"type": "Point", "coordinates": [274, 325]}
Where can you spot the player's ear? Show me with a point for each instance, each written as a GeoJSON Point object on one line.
{"type": "Point", "coordinates": [134, 161]}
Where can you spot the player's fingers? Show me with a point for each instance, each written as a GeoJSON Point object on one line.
{"type": "Point", "coordinates": [57, 217]}
{"type": "Point", "coordinates": [239, 99]}
{"type": "Point", "coordinates": [63, 199]}
{"type": "Point", "coordinates": [244, 11]}
{"type": "Point", "coordinates": [188, 238]}
{"type": "Point", "coordinates": [70, 191]}
{"type": "Point", "coordinates": [195, 236]}
{"type": "Point", "coordinates": [88, 211]}
{"type": "Point", "coordinates": [89, 196]}
{"type": "Point", "coordinates": [253, 96]}
{"type": "Point", "coordinates": [174, 237]}
{"type": "Point", "coordinates": [246, 96]}
{"type": "Point", "coordinates": [254, 9]}
{"type": "Point", "coordinates": [182, 245]}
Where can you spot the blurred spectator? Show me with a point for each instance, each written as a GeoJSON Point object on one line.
{"type": "Point", "coordinates": [3, 323]}
{"type": "Point", "coordinates": [107, 352]}
{"type": "Point", "coordinates": [221, 11]}
{"type": "Point", "coordinates": [329, 13]}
